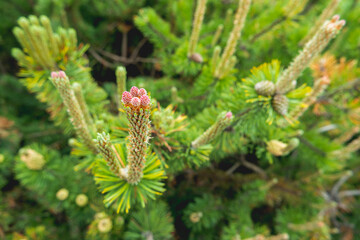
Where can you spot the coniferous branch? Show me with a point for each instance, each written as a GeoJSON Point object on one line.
{"type": "Point", "coordinates": [239, 21]}
{"type": "Point", "coordinates": [217, 35]}
{"type": "Point", "coordinates": [137, 107]}
{"type": "Point", "coordinates": [347, 135]}
{"type": "Point", "coordinates": [62, 83]}
{"type": "Point", "coordinates": [309, 226]}
{"type": "Point", "coordinates": [62, 50]}
{"type": "Point", "coordinates": [33, 38]}
{"type": "Point", "coordinates": [52, 39]}
{"type": "Point", "coordinates": [325, 15]}
{"type": "Point", "coordinates": [198, 19]}
{"type": "Point", "coordinates": [319, 87]}
{"type": "Point", "coordinates": [107, 151]}
{"type": "Point", "coordinates": [287, 80]}
{"type": "Point", "coordinates": [83, 106]}
{"type": "Point", "coordinates": [224, 120]}
{"type": "Point", "coordinates": [215, 58]}
{"type": "Point", "coordinates": [345, 152]}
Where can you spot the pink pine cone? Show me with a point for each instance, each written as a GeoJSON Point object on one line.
{"type": "Point", "coordinates": [126, 97]}
{"type": "Point", "coordinates": [142, 92]}
{"type": "Point", "coordinates": [135, 102]}
{"type": "Point", "coordinates": [134, 91]}
{"type": "Point", "coordinates": [229, 115]}
{"type": "Point", "coordinates": [62, 74]}
{"type": "Point", "coordinates": [54, 75]}
{"type": "Point", "coordinates": [144, 100]}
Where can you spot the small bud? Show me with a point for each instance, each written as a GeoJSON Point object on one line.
{"type": "Point", "coordinates": [340, 24]}
{"type": "Point", "coordinates": [134, 91]}
{"type": "Point", "coordinates": [280, 104]}
{"type": "Point", "coordinates": [135, 102]}
{"type": "Point", "coordinates": [54, 75]}
{"type": "Point", "coordinates": [105, 225]}
{"type": "Point", "coordinates": [276, 147]}
{"type": "Point", "coordinates": [195, 217]}
{"type": "Point", "coordinates": [81, 200]}
{"type": "Point", "coordinates": [292, 144]}
{"type": "Point", "coordinates": [265, 88]}
{"type": "Point", "coordinates": [62, 74]}
{"type": "Point", "coordinates": [23, 22]}
{"type": "Point", "coordinates": [100, 215]}
{"type": "Point", "coordinates": [229, 115]}
{"type": "Point", "coordinates": [72, 142]}
{"type": "Point", "coordinates": [126, 97]}
{"type": "Point", "coordinates": [196, 57]}
{"type": "Point", "coordinates": [335, 18]}
{"type": "Point", "coordinates": [119, 221]}
{"type": "Point", "coordinates": [32, 159]}
{"type": "Point", "coordinates": [76, 86]}
{"type": "Point", "coordinates": [142, 92]}
{"type": "Point", "coordinates": [62, 194]}
{"type": "Point", "coordinates": [144, 101]}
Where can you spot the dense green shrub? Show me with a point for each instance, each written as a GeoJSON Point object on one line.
{"type": "Point", "coordinates": [179, 119]}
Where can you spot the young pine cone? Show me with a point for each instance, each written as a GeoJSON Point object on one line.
{"type": "Point", "coordinates": [265, 88]}
{"type": "Point", "coordinates": [280, 104]}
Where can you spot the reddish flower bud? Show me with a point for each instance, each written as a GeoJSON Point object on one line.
{"type": "Point", "coordinates": [142, 92]}
{"type": "Point", "coordinates": [134, 91]}
{"type": "Point", "coordinates": [135, 102]}
{"type": "Point", "coordinates": [229, 115]}
{"type": "Point", "coordinates": [54, 75]}
{"type": "Point", "coordinates": [335, 18]}
{"type": "Point", "coordinates": [145, 100]}
{"type": "Point", "coordinates": [62, 74]}
{"type": "Point", "coordinates": [126, 97]}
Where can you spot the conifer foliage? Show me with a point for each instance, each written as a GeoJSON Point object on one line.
{"type": "Point", "coordinates": [204, 120]}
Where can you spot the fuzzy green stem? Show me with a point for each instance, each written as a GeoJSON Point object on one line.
{"type": "Point", "coordinates": [105, 147]}
{"type": "Point", "coordinates": [319, 87]}
{"type": "Point", "coordinates": [137, 108]}
{"type": "Point", "coordinates": [325, 15]}
{"type": "Point", "coordinates": [287, 80]}
{"type": "Point", "coordinates": [224, 120]}
{"type": "Point", "coordinates": [120, 81]}
{"type": "Point", "coordinates": [47, 25]}
{"type": "Point", "coordinates": [215, 58]}
{"type": "Point", "coordinates": [62, 83]}
{"type": "Point", "coordinates": [217, 35]}
{"type": "Point", "coordinates": [198, 19]}
{"type": "Point", "coordinates": [239, 21]}
{"type": "Point", "coordinates": [139, 137]}
{"type": "Point", "coordinates": [84, 108]}
{"type": "Point", "coordinates": [347, 135]}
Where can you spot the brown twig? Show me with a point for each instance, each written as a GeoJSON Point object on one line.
{"type": "Point", "coordinates": [311, 146]}
{"type": "Point", "coordinates": [124, 44]}
{"type": "Point", "coordinates": [135, 53]}
{"type": "Point", "coordinates": [267, 28]}
{"type": "Point", "coordinates": [232, 169]}
{"type": "Point", "coordinates": [253, 167]}
{"type": "Point", "coordinates": [117, 58]}
{"type": "Point", "coordinates": [349, 86]}
{"type": "Point", "coordinates": [100, 59]}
